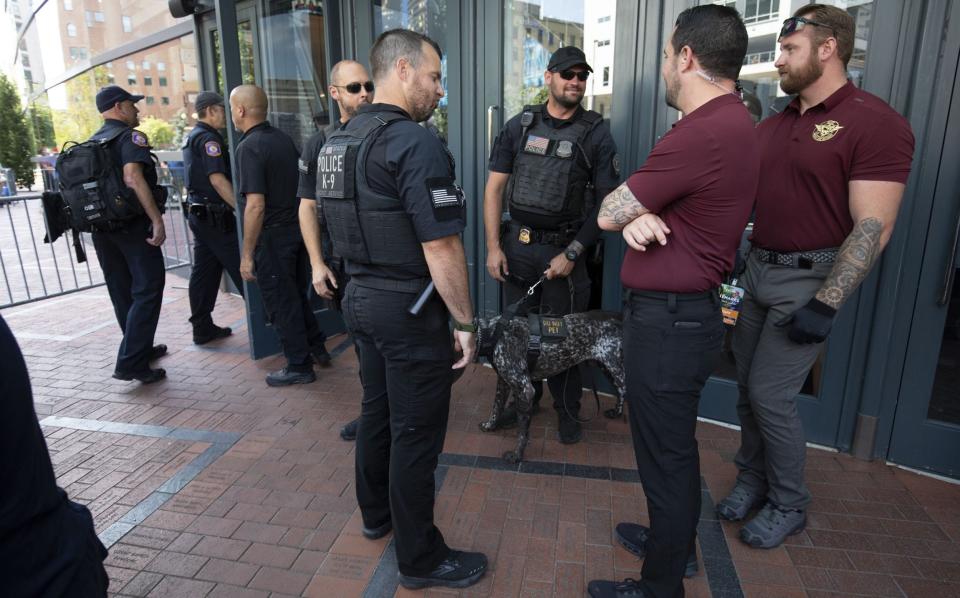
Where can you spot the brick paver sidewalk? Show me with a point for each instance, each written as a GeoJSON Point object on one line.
{"type": "Point", "coordinates": [212, 484]}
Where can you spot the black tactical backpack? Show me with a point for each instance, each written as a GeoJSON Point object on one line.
{"type": "Point", "coordinates": [91, 183]}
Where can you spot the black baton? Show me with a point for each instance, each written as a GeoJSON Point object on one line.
{"type": "Point", "coordinates": [417, 305]}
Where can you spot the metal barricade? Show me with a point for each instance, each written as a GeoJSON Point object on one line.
{"type": "Point", "coordinates": [31, 269]}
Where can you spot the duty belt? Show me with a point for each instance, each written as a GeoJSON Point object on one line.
{"type": "Point", "coordinates": [799, 259]}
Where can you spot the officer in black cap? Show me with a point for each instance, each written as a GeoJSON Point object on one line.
{"type": "Point", "coordinates": [210, 205]}
{"type": "Point", "coordinates": [273, 253]}
{"type": "Point", "coordinates": [395, 214]}
{"type": "Point", "coordinates": [552, 162]}
{"type": "Point", "coordinates": [130, 256]}
{"type": "Point", "coordinates": [350, 87]}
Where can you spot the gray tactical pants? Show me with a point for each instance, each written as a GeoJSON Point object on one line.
{"type": "Point", "coordinates": [771, 370]}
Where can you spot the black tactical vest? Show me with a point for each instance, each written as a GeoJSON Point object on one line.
{"type": "Point", "coordinates": [196, 178]}
{"type": "Point", "coordinates": [547, 177]}
{"type": "Point", "coordinates": [365, 227]}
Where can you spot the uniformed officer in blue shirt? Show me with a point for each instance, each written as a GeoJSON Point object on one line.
{"type": "Point", "coordinates": [211, 205]}
{"type": "Point", "coordinates": [350, 87]}
{"type": "Point", "coordinates": [130, 257]}
{"type": "Point", "coordinates": [395, 214]}
{"type": "Point", "coordinates": [273, 254]}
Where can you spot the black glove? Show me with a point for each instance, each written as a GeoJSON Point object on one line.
{"type": "Point", "coordinates": [809, 324]}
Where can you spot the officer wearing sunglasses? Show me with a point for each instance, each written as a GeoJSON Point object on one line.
{"type": "Point", "coordinates": [549, 164]}
{"type": "Point", "coordinates": [350, 88]}
{"type": "Point", "coordinates": [847, 156]}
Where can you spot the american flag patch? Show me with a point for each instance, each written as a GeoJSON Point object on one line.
{"type": "Point", "coordinates": [536, 145]}
{"type": "Point", "coordinates": [445, 197]}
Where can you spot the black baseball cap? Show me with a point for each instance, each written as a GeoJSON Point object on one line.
{"type": "Point", "coordinates": [108, 97]}
{"type": "Point", "coordinates": [567, 57]}
{"type": "Point", "coordinates": [206, 99]}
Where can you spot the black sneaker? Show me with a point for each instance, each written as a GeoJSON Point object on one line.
{"type": "Point", "coordinates": [772, 525]}
{"type": "Point", "coordinates": [147, 376]}
{"type": "Point", "coordinates": [286, 377]}
{"type": "Point", "coordinates": [570, 432]}
{"type": "Point", "coordinates": [375, 533]}
{"type": "Point", "coordinates": [157, 352]}
{"type": "Point", "coordinates": [322, 358]}
{"type": "Point", "coordinates": [628, 588]}
{"type": "Point", "coordinates": [739, 503]}
{"type": "Point", "coordinates": [458, 570]}
{"type": "Point", "coordinates": [633, 537]}
{"type": "Point", "coordinates": [349, 431]}
{"type": "Point", "coordinates": [202, 337]}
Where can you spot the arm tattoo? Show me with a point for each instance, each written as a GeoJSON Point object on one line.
{"type": "Point", "coordinates": [857, 255]}
{"type": "Point", "coordinates": [621, 206]}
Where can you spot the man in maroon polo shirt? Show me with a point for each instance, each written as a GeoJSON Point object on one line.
{"type": "Point", "coordinates": [682, 214]}
{"type": "Point", "coordinates": [833, 169]}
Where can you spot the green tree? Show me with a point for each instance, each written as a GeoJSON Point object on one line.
{"type": "Point", "coordinates": [42, 120]}
{"type": "Point", "coordinates": [16, 134]}
{"type": "Point", "coordinates": [158, 131]}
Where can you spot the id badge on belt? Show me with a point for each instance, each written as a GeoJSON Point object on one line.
{"type": "Point", "coordinates": [731, 298]}
{"type": "Point", "coordinates": [525, 235]}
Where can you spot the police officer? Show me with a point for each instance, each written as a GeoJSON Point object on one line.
{"type": "Point", "coordinates": [350, 87]}
{"type": "Point", "coordinates": [130, 257]}
{"type": "Point", "coordinates": [210, 205]}
{"type": "Point", "coordinates": [696, 188]}
{"type": "Point", "coordinates": [847, 156]}
{"type": "Point", "coordinates": [273, 252]}
{"type": "Point", "coordinates": [550, 163]}
{"type": "Point", "coordinates": [395, 214]}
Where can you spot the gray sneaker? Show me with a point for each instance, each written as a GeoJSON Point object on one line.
{"type": "Point", "coordinates": [772, 526]}
{"type": "Point", "coordinates": [739, 503]}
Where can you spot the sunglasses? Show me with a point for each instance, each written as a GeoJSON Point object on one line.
{"type": "Point", "coordinates": [568, 74]}
{"type": "Point", "coordinates": [355, 87]}
{"type": "Point", "coordinates": [794, 24]}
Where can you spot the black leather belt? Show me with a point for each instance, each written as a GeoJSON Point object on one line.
{"type": "Point", "coordinates": [410, 285]}
{"type": "Point", "coordinates": [797, 259]}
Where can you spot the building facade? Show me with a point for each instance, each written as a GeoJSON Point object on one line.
{"type": "Point", "coordinates": [887, 384]}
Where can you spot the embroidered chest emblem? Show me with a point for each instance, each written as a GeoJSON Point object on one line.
{"type": "Point", "coordinates": [826, 131]}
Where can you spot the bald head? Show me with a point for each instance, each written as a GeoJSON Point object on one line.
{"type": "Point", "coordinates": [248, 106]}
{"type": "Point", "coordinates": [348, 81]}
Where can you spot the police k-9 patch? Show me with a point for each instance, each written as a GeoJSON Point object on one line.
{"type": "Point", "coordinates": [140, 139]}
{"type": "Point", "coordinates": [446, 197]}
{"type": "Point", "coordinates": [213, 149]}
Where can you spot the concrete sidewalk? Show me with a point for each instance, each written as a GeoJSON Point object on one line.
{"type": "Point", "coordinates": [212, 484]}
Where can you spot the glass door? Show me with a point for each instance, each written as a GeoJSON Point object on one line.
{"type": "Point", "coordinates": [926, 427]}
{"type": "Point", "coordinates": [821, 399]}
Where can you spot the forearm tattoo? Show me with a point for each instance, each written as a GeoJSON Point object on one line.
{"type": "Point", "coordinates": [620, 206]}
{"type": "Point", "coordinates": [857, 255]}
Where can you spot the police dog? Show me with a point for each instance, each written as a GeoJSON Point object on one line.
{"type": "Point", "coordinates": [589, 336]}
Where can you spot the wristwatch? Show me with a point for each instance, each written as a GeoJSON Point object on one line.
{"type": "Point", "coordinates": [470, 326]}
{"type": "Point", "coordinates": [571, 254]}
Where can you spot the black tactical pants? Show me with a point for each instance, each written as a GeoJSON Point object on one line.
{"type": "Point", "coordinates": [669, 351]}
{"type": "Point", "coordinates": [214, 250]}
{"type": "Point", "coordinates": [556, 297]}
{"type": "Point", "coordinates": [406, 380]}
{"type": "Point", "coordinates": [135, 275]}
{"type": "Point", "coordinates": [283, 275]}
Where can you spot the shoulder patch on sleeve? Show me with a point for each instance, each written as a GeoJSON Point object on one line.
{"type": "Point", "coordinates": [302, 166]}
{"type": "Point", "coordinates": [616, 164]}
{"type": "Point", "coordinates": [139, 138]}
{"type": "Point", "coordinates": [213, 149]}
{"type": "Point", "coordinates": [446, 197]}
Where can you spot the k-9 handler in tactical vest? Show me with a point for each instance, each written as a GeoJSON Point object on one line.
{"type": "Point", "coordinates": [550, 163]}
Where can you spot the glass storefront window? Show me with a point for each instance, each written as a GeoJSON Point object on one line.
{"type": "Point", "coordinates": [945, 398]}
{"type": "Point", "coordinates": [294, 72]}
{"type": "Point", "coordinates": [428, 18]}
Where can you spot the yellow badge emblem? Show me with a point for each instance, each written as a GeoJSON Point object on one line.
{"type": "Point", "coordinates": [826, 131]}
{"type": "Point", "coordinates": [524, 236]}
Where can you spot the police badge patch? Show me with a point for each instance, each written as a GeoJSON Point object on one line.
{"type": "Point", "coordinates": [212, 148]}
{"type": "Point", "coordinates": [564, 149]}
{"type": "Point", "coordinates": [140, 139]}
